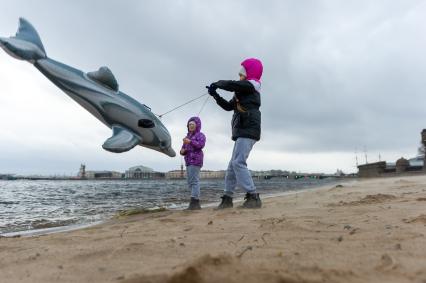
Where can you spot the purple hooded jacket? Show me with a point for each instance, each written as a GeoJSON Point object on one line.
{"type": "Point", "coordinates": [193, 151]}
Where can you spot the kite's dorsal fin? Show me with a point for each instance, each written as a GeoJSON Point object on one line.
{"type": "Point", "coordinates": [105, 77]}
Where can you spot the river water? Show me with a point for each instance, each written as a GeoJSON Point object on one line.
{"type": "Point", "coordinates": [28, 205]}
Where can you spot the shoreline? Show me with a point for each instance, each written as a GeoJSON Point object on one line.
{"type": "Point", "coordinates": [51, 230]}
{"type": "Point", "coordinates": [364, 231]}
{"type": "Point", "coordinates": [73, 227]}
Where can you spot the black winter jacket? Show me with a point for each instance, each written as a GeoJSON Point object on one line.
{"type": "Point", "coordinates": [245, 103]}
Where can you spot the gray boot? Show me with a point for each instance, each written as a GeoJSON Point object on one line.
{"type": "Point", "coordinates": [194, 204]}
{"type": "Point", "coordinates": [226, 202]}
{"type": "Point", "coordinates": [252, 201]}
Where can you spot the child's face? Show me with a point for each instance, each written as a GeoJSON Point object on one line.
{"type": "Point", "coordinates": [242, 77]}
{"type": "Point", "coordinates": [191, 126]}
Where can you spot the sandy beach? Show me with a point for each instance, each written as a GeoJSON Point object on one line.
{"type": "Point", "coordinates": [362, 231]}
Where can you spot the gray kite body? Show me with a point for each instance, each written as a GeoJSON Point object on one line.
{"type": "Point", "coordinates": [132, 123]}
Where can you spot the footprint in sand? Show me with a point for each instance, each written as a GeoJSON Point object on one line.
{"type": "Point", "coordinates": [403, 181]}
{"type": "Point", "coordinates": [270, 223]}
{"type": "Point", "coordinates": [167, 220]}
{"type": "Point", "coordinates": [386, 263]}
{"type": "Point", "coordinates": [419, 219]}
{"type": "Point", "coordinates": [369, 199]}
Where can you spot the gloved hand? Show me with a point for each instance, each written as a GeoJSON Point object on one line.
{"type": "Point", "coordinates": [213, 86]}
{"type": "Point", "coordinates": [212, 90]}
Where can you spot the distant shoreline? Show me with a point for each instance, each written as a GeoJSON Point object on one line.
{"type": "Point", "coordinates": [298, 176]}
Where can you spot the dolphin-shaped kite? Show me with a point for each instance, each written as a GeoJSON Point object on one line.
{"type": "Point", "coordinates": [132, 123]}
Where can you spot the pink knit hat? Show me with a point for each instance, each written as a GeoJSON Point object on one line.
{"type": "Point", "coordinates": [253, 68]}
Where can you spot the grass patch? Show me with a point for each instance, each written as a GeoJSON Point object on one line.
{"type": "Point", "coordinates": [135, 211]}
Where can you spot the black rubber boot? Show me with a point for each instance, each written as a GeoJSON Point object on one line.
{"type": "Point", "coordinates": [226, 202]}
{"type": "Point", "coordinates": [194, 204]}
{"type": "Point", "coordinates": [252, 201]}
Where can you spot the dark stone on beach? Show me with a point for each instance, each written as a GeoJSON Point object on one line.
{"type": "Point", "coordinates": [348, 227]}
{"type": "Point", "coordinates": [340, 239]}
{"type": "Point", "coordinates": [210, 222]}
{"type": "Point", "coordinates": [398, 247]}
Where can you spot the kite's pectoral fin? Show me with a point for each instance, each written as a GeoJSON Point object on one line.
{"type": "Point", "coordinates": [122, 140]}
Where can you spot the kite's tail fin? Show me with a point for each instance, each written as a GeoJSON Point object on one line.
{"type": "Point", "coordinates": [25, 45]}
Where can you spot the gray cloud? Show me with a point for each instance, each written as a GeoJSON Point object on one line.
{"type": "Point", "coordinates": [338, 75]}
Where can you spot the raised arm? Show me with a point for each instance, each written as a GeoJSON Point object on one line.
{"type": "Point", "coordinates": [235, 86]}
{"type": "Point", "coordinates": [226, 105]}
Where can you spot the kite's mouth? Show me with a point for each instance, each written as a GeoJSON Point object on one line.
{"type": "Point", "coordinates": [169, 151]}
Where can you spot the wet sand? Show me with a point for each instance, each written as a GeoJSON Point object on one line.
{"type": "Point", "coordinates": [365, 231]}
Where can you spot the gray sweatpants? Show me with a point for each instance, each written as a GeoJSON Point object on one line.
{"type": "Point", "coordinates": [193, 178]}
{"type": "Point", "coordinates": [237, 174]}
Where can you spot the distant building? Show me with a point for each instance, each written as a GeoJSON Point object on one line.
{"type": "Point", "coordinates": [402, 166]}
{"type": "Point", "coordinates": [207, 174]}
{"type": "Point", "coordinates": [384, 169]}
{"type": "Point", "coordinates": [142, 172]}
{"type": "Point", "coordinates": [7, 177]}
{"type": "Point", "coordinates": [417, 161]}
{"type": "Point", "coordinates": [369, 170]}
{"type": "Point", "coordinates": [176, 174]}
{"type": "Point", "coordinates": [204, 174]}
{"type": "Point", "coordinates": [103, 175]}
{"type": "Point", "coordinates": [82, 172]}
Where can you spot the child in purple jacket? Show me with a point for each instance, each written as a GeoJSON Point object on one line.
{"type": "Point", "coordinates": [192, 149]}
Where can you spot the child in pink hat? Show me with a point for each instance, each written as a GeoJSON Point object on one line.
{"type": "Point", "coordinates": [246, 123]}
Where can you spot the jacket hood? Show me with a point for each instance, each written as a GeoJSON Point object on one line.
{"type": "Point", "coordinates": [254, 69]}
{"type": "Point", "coordinates": [197, 121]}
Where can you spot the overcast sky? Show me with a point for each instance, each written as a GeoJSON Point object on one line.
{"type": "Point", "coordinates": [339, 77]}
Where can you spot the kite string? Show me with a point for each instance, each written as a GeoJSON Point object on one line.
{"type": "Point", "coordinates": [204, 104]}
{"type": "Point", "coordinates": [177, 107]}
